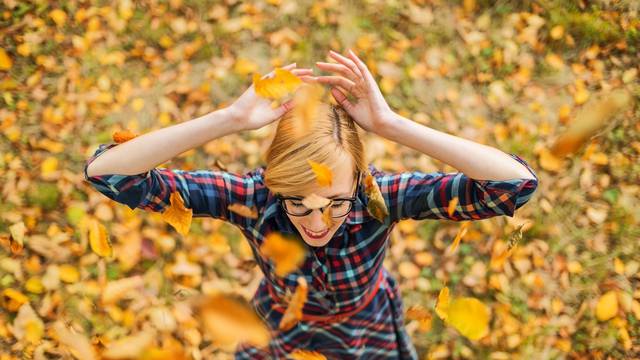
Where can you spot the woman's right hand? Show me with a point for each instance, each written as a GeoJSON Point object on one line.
{"type": "Point", "coordinates": [253, 112]}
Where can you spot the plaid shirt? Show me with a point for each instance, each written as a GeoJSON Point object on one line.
{"type": "Point", "coordinates": [342, 272]}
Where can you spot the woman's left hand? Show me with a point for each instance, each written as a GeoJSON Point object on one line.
{"type": "Point", "coordinates": [370, 110]}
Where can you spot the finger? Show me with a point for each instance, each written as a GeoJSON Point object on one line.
{"type": "Point", "coordinates": [346, 62]}
{"type": "Point", "coordinates": [339, 68]}
{"type": "Point", "coordinates": [300, 72]}
{"type": "Point", "coordinates": [341, 98]}
{"type": "Point", "coordinates": [337, 81]}
{"type": "Point", "coordinates": [361, 66]}
{"type": "Point", "coordinates": [273, 72]}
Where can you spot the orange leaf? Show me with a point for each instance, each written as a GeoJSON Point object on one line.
{"type": "Point", "coordinates": [326, 217]}
{"type": "Point", "coordinates": [287, 254]}
{"type": "Point", "coordinates": [177, 215]}
{"type": "Point", "coordinates": [376, 205]}
{"type": "Point", "coordinates": [323, 173]}
{"type": "Point", "coordinates": [306, 355]}
{"type": "Point", "coordinates": [123, 136]}
{"type": "Point", "coordinates": [461, 232]}
{"type": "Point", "coordinates": [452, 206]}
{"type": "Point", "coordinates": [283, 83]}
{"type": "Point", "coordinates": [442, 305]}
{"type": "Point", "coordinates": [293, 314]}
{"type": "Point", "coordinates": [99, 239]}
{"type": "Point", "coordinates": [243, 210]}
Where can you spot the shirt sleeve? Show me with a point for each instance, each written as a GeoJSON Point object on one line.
{"type": "Point", "coordinates": [419, 195]}
{"type": "Point", "coordinates": [206, 192]}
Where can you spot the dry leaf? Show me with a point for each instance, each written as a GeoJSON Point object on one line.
{"type": "Point", "coordinates": [376, 205]}
{"type": "Point", "coordinates": [293, 314]}
{"type": "Point", "coordinates": [131, 346]}
{"type": "Point", "coordinates": [469, 316]}
{"type": "Point", "coordinates": [99, 239]}
{"type": "Point", "coordinates": [327, 219]}
{"type": "Point", "coordinates": [283, 83]}
{"type": "Point", "coordinates": [229, 321]}
{"type": "Point", "coordinates": [323, 173]}
{"type": "Point", "coordinates": [121, 288]}
{"type": "Point", "coordinates": [461, 232]}
{"type": "Point", "coordinates": [78, 343]}
{"type": "Point", "coordinates": [594, 115]}
{"type": "Point", "coordinates": [607, 306]}
{"type": "Point", "coordinates": [243, 210]}
{"type": "Point", "coordinates": [452, 206]}
{"type": "Point", "coordinates": [306, 355]}
{"type": "Point", "coordinates": [442, 305]}
{"type": "Point", "coordinates": [177, 215]}
{"type": "Point", "coordinates": [123, 136]}
{"type": "Point", "coordinates": [5, 60]}
{"type": "Point", "coordinates": [287, 254]}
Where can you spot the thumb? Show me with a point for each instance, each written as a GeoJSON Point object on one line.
{"type": "Point", "coordinates": [284, 108]}
{"type": "Point", "coordinates": [342, 99]}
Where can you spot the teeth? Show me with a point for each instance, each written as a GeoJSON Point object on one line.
{"type": "Point", "coordinates": [315, 233]}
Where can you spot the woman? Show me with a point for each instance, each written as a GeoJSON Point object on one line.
{"type": "Point", "coordinates": [354, 308]}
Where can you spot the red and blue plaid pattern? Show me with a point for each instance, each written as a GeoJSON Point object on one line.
{"type": "Point", "coordinates": [339, 274]}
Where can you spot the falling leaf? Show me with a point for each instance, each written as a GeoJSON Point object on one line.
{"type": "Point", "coordinates": [607, 306]}
{"type": "Point", "coordinates": [376, 205]}
{"type": "Point", "coordinates": [293, 313]}
{"type": "Point", "coordinates": [5, 60]}
{"type": "Point", "coordinates": [287, 254]}
{"type": "Point", "coordinates": [327, 219]}
{"type": "Point", "coordinates": [123, 136]}
{"type": "Point", "coordinates": [78, 343]}
{"type": "Point", "coordinates": [461, 232]}
{"type": "Point", "coordinates": [314, 201]}
{"type": "Point", "coordinates": [283, 83]}
{"type": "Point", "coordinates": [442, 305]}
{"type": "Point", "coordinates": [131, 346]}
{"type": "Point", "coordinates": [177, 215]}
{"type": "Point", "coordinates": [323, 173]}
{"type": "Point", "coordinates": [229, 321]}
{"type": "Point", "coordinates": [243, 210]}
{"type": "Point", "coordinates": [422, 315]}
{"type": "Point", "coordinates": [469, 316]}
{"type": "Point", "coordinates": [452, 206]}
{"type": "Point", "coordinates": [596, 114]}
{"type": "Point", "coordinates": [99, 239]}
{"type": "Point", "coordinates": [306, 355]}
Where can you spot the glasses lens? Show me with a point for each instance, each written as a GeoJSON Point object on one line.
{"type": "Point", "coordinates": [339, 208]}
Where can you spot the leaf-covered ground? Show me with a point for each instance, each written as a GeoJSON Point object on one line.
{"type": "Point", "coordinates": [516, 75]}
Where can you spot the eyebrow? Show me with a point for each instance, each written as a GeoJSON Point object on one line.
{"type": "Point", "coordinates": [328, 197]}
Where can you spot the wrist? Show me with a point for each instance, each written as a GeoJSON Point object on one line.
{"type": "Point", "coordinates": [232, 117]}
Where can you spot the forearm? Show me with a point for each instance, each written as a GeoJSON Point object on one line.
{"type": "Point", "coordinates": [147, 151]}
{"type": "Point", "coordinates": [477, 161]}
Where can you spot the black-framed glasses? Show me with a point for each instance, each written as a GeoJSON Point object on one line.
{"type": "Point", "coordinates": [340, 207]}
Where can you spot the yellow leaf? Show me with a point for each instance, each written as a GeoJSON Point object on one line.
{"type": "Point", "coordinates": [282, 84]}
{"type": "Point", "coordinates": [123, 136]}
{"type": "Point", "coordinates": [287, 254]}
{"type": "Point", "coordinates": [5, 60]}
{"type": "Point", "coordinates": [375, 205]}
{"type": "Point", "coordinates": [442, 305]}
{"type": "Point", "coordinates": [99, 239]}
{"type": "Point", "coordinates": [131, 346]}
{"type": "Point", "coordinates": [58, 16]}
{"type": "Point", "coordinates": [452, 206]}
{"type": "Point", "coordinates": [323, 173]}
{"type": "Point", "coordinates": [293, 313]}
{"type": "Point", "coordinates": [121, 288]}
{"type": "Point", "coordinates": [461, 232]}
{"type": "Point", "coordinates": [69, 273]}
{"type": "Point", "coordinates": [243, 210]}
{"type": "Point", "coordinates": [34, 285]}
{"type": "Point", "coordinates": [13, 299]}
{"type": "Point", "coordinates": [549, 161]}
{"type": "Point", "coordinates": [589, 120]}
{"type": "Point", "coordinates": [177, 215]}
{"type": "Point", "coordinates": [607, 306]}
{"type": "Point", "coordinates": [557, 32]}
{"type": "Point", "coordinates": [137, 104]}
{"type": "Point", "coordinates": [49, 166]}
{"type": "Point", "coordinates": [306, 355]}
{"type": "Point", "coordinates": [77, 342]}
{"type": "Point", "coordinates": [469, 316]}
{"type": "Point", "coordinates": [229, 321]}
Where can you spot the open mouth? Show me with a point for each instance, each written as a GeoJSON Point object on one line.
{"type": "Point", "coordinates": [315, 235]}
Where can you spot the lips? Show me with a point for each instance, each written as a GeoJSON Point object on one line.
{"type": "Point", "coordinates": [315, 235]}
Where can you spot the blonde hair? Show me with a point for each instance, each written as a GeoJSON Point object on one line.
{"type": "Point", "coordinates": [333, 141]}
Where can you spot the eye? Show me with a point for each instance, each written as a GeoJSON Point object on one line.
{"type": "Point", "coordinates": [337, 204]}
{"type": "Point", "coordinates": [296, 204]}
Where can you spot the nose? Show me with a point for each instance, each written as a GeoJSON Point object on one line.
{"type": "Point", "coordinates": [315, 220]}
